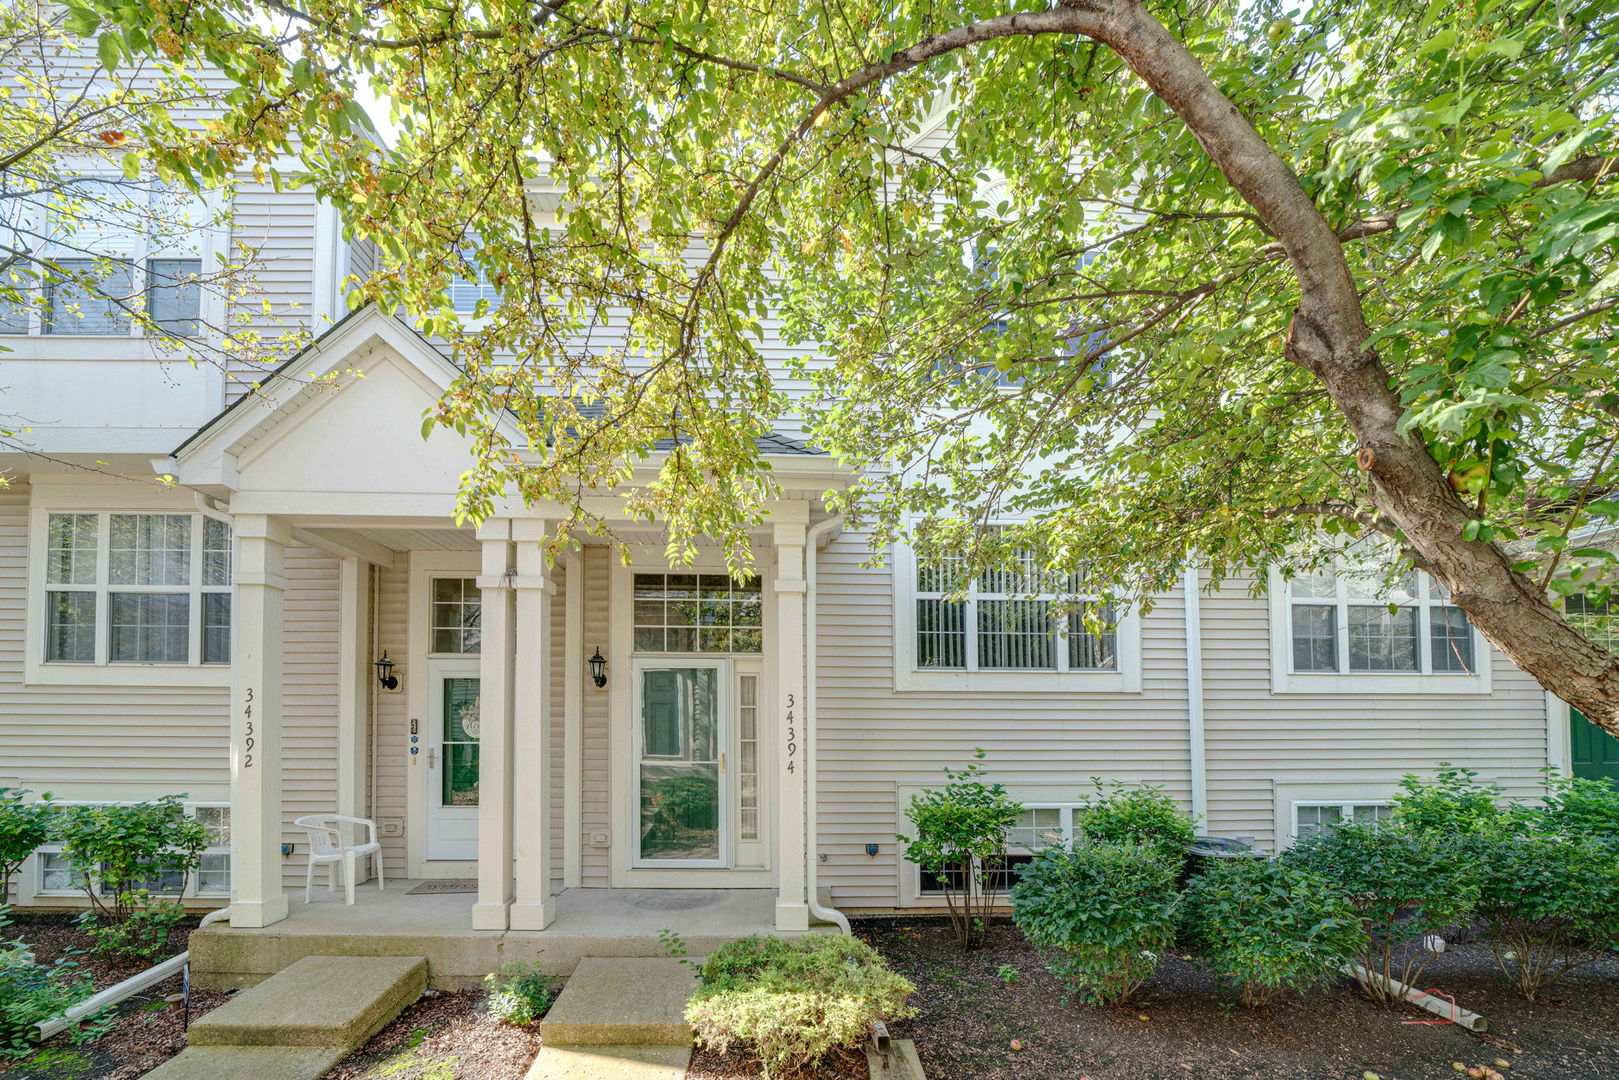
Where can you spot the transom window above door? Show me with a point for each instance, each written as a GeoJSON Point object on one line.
{"type": "Point", "coordinates": [1342, 623]}
{"type": "Point", "coordinates": [137, 588]}
{"type": "Point", "coordinates": [703, 613]}
{"type": "Point", "coordinates": [457, 615]}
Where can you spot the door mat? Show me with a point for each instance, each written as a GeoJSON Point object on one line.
{"type": "Point", "coordinates": [446, 885]}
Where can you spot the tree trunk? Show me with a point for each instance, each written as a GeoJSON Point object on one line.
{"type": "Point", "coordinates": [1327, 337]}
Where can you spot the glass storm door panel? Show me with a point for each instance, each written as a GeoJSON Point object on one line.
{"type": "Point", "coordinates": [680, 736]}
{"type": "Point", "coordinates": [452, 744]}
{"type": "Point", "coordinates": [461, 727]}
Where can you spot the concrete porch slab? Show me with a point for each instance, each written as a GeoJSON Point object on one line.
{"type": "Point", "coordinates": [622, 1002]}
{"type": "Point", "coordinates": [321, 1001]}
{"type": "Point", "coordinates": [610, 1063]}
{"type": "Point", "coordinates": [590, 922]}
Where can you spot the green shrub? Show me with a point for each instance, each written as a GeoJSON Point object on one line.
{"type": "Point", "coordinates": [793, 1001]}
{"type": "Point", "coordinates": [128, 857]}
{"type": "Point", "coordinates": [1551, 905]}
{"type": "Point", "coordinates": [1144, 815]}
{"type": "Point", "coordinates": [1405, 884]}
{"type": "Point", "coordinates": [1581, 806]}
{"type": "Point", "coordinates": [23, 827]}
{"type": "Point", "coordinates": [31, 992]}
{"type": "Point", "coordinates": [1101, 913]}
{"type": "Point", "coordinates": [960, 834]}
{"type": "Point", "coordinates": [1269, 926]}
{"type": "Point", "coordinates": [1452, 802]}
{"type": "Point", "coordinates": [518, 993]}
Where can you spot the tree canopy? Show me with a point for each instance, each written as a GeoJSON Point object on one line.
{"type": "Point", "coordinates": [97, 235]}
{"type": "Point", "coordinates": [1188, 281]}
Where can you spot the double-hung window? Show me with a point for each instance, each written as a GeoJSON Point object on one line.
{"type": "Point", "coordinates": [1344, 623]}
{"type": "Point", "coordinates": [1312, 819]}
{"type": "Point", "coordinates": [1038, 827]}
{"type": "Point", "coordinates": [56, 876]}
{"type": "Point", "coordinates": [102, 250]}
{"type": "Point", "coordinates": [137, 588]}
{"type": "Point", "coordinates": [1009, 621]}
{"type": "Point", "coordinates": [1354, 626]}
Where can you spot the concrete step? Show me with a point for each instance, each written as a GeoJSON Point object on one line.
{"type": "Point", "coordinates": [622, 1002]}
{"type": "Point", "coordinates": [255, 1062]}
{"type": "Point", "coordinates": [325, 1001]}
{"type": "Point", "coordinates": [610, 1063]}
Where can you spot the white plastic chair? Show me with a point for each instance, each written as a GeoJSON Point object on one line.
{"type": "Point", "coordinates": [326, 846]}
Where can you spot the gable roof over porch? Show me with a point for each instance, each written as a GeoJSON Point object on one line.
{"type": "Point", "coordinates": [337, 430]}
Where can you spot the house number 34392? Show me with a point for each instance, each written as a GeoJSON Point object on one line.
{"type": "Point", "coordinates": [248, 741]}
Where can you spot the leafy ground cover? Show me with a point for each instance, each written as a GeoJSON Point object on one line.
{"type": "Point", "coordinates": [975, 1004]}
{"type": "Point", "coordinates": [148, 1031]}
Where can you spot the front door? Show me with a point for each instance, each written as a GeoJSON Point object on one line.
{"type": "Point", "coordinates": [1592, 751]}
{"type": "Point", "coordinates": [452, 759]}
{"type": "Point", "coordinates": [680, 789]}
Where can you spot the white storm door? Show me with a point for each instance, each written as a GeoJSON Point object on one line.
{"type": "Point", "coordinates": [452, 759]}
{"type": "Point", "coordinates": [680, 737]}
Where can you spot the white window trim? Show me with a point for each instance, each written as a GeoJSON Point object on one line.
{"type": "Point", "coordinates": [911, 894]}
{"type": "Point", "coordinates": [36, 672]}
{"type": "Point", "coordinates": [213, 242]}
{"type": "Point", "coordinates": [192, 891]}
{"type": "Point", "coordinates": [433, 578]}
{"type": "Point", "coordinates": [1284, 680]}
{"type": "Point", "coordinates": [910, 678]}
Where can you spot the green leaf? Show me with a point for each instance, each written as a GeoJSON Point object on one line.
{"type": "Point", "coordinates": [131, 163]}
{"type": "Point", "coordinates": [109, 47]}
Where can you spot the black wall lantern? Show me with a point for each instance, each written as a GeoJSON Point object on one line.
{"type": "Point", "coordinates": [598, 668]}
{"type": "Point", "coordinates": [385, 673]}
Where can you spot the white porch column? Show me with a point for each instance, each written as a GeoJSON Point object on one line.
{"type": "Point", "coordinates": [495, 736]}
{"type": "Point", "coordinates": [255, 752]}
{"type": "Point", "coordinates": [792, 900]}
{"type": "Point", "coordinates": [354, 675]}
{"type": "Point", "coordinates": [535, 906]}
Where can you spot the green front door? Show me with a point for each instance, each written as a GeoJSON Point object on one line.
{"type": "Point", "coordinates": [1593, 752]}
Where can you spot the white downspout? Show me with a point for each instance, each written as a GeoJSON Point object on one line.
{"type": "Point", "coordinates": [1192, 586]}
{"type": "Point", "coordinates": [811, 720]}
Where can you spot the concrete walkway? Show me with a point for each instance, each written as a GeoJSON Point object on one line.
{"type": "Point", "coordinates": [301, 1021]}
{"type": "Point", "coordinates": [619, 1018]}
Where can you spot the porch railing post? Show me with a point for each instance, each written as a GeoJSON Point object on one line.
{"type": "Point", "coordinates": [255, 725]}
{"type": "Point", "coordinates": [535, 906]}
{"type": "Point", "coordinates": [491, 912]}
{"type": "Point", "coordinates": [792, 900]}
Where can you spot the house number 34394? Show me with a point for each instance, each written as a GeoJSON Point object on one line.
{"type": "Point", "coordinates": [792, 735]}
{"type": "Point", "coordinates": [248, 741]}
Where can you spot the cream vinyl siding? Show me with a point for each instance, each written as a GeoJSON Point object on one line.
{"type": "Point", "coordinates": [1258, 742]}
{"type": "Point", "coordinates": [875, 741]}
{"type": "Point", "coordinates": [279, 227]}
{"type": "Point", "coordinates": [557, 700]}
{"type": "Point", "coordinates": [112, 743]}
{"type": "Point", "coordinates": [596, 811]}
{"type": "Point", "coordinates": [392, 710]}
{"type": "Point", "coordinates": [310, 649]}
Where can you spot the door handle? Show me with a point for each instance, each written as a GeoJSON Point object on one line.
{"type": "Point", "coordinates": [432, 756]}
{"type": "Point", "coordinates": [722, 764]}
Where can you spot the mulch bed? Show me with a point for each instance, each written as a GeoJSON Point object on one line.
{"type": "Point", "coordinates": [148, 1030]}
{"type": "Point", "coordinates": [842, 1065]}
{"type": "Point", "coordinates": [970, 1015]}
{"type": "Point", "coordinates": [446, 1035]}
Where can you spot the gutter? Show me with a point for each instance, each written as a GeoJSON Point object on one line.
{"type": "Point", "coordinates": [812, 541]}
{"type": "Point", "coordinates": [1192, 586]}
